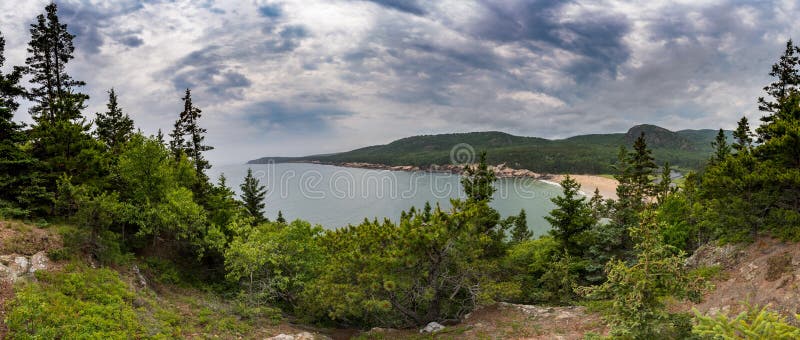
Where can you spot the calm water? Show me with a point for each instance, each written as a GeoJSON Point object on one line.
{"type": "Point", "coordinates": [336, 196]}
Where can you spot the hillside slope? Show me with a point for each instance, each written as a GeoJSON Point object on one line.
{"type": "Point", "coordinates": [589, 154]}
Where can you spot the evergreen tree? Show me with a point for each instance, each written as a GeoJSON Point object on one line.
{"type": "Point", "coordinates": [571, 217]}
{"type": "Point", "coordinates": [520, 231]}
{"type": "Point", "coordinates": [743, 136]}
{"type": "Point", "coordinates": [54, 90]}
{"type": "Point", "coordinates": [478, 181]}
{"type": "Point", "coordinates": [721, 148]}
{"type": "Point", "coordinates": [664, 187]}
{"type": "Point", "coordinates": [114, 128]}
{"type": "Point", "coordinates": [642, 166]}
{"type": "Point", "coordinates": [253, 194]}
{"type": "Point", "coordinates": [60, 138]}
{"type": "Point", "coordinates": [280, 218]}
{"type": "Point", "coordinates": [18, 178]}
{"type": "Point", "coordinates": [187, 126]}
{"type": "Point", "coordinates": [160, 137]}
{"type": "Point", "coordinates": [177, 143]}
{"type": "Point", "coordinates": [10, 90]}
{"type": "Point", "coordinates": [788, 77]}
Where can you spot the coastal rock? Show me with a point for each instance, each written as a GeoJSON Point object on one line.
{"type": "Point", "coordinates": [432, 327]}
{"type": "Point", "coordinates": [39, 261]}
{"type": "Point", "coordinates": [712, 255]}
{"type": "Point", "coordinates": [20, 266]}
{"type": "Point", "coordinates": [15, 267]}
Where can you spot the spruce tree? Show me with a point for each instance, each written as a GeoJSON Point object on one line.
{"type": "Point", "coordinates": [187, 126]}
{"type": "Point", "coordinates": [10, 91]}
{"type": "Point", "coordinates": [280, 218]}
{"type": "Point", "coordinates": [253, 194]}
{"type": "Point", "coordinates": [743, 136]}
{"type": "Point", "coordinates": [520, 231]}
{"type": "Point", "coordinates": [16, 167]}
{"type": "Point", "coordinates": [664, 187]}
{"type": "Point", "coordinates": [60, 137]}
{"type": "Point", "coordinates": [788, 77]}
{"type": "Point", "coordinates": [114, 128]}
{"type": "Point", "coordinates": [478, 181]}
{"type": "Point", "coordinates": [642, 167]}
{"type": "Point", "coordinates": [571, 217]}
{"type": "Point", "coordinates": [721, 148]}
{"type": "Point", "coordinates": [50, 49]}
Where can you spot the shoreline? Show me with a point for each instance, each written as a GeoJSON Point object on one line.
{"type": "Point", "coordinates": [606, 186]}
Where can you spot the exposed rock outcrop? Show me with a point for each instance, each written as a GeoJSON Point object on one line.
{"type": "Point", "coordinates": [16, 267]}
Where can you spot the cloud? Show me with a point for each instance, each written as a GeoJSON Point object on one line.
{"type": "Point", "coordinates": [360, 72]}
{"type": "Point", "coordinates": [407, 6]}
{"type": "Point", "coordinates": [271, 116]}
{"type": "Point", "coordinates": [270, 11]}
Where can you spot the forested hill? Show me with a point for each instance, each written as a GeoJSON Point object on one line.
{"type": "Point", "coordinates": [593, 154]}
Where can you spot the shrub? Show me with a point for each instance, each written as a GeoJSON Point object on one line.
{"type": "Point", "coordinates": [78, 304]}
{"type": "Point", "coordinates": [754, 323]}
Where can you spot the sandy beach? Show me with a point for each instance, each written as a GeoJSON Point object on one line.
{"type": "Point", "coordinates": [607, 186]}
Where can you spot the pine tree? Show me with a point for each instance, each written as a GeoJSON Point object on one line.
{"type": "Point", "coordinates": [743, 136]}
{"type": "Point", "coordinates": [54, 90]}
{"type": "Point", "coordinates": [280, 218]}
{"type": "Point", "coordinates": [10, 90]}
{"type": "Point", "coordinates": [664, 187]}
{"type": "Point", "coordinates": [160, 137]}
{"type": "Point", "coordinates": [17, 175]}
{"type": "Point", "coordinates": [520, 231]}
{"type": "Point", "coordinates": [187, 126]}
{"type": "Point", "coordinates": [571, 217]}
{"type": "Point", "coordinates": [177, 143]}
{"type": "Point", "coordinates": [253, 194]}
{"type": "Point", "coordinates": [60, 137]}
{"type": "Point", "coordinates": [642, 166]}
{"type": "Point", "coordinates": [788, 77]}
{"type": "Point", "coordinates": [478, 181]}
{"type": "Point", "coordinates": [721, 148]}
{"type": "Point", "coordinates": [114, 128]}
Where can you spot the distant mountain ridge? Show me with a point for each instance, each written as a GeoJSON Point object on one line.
{"type": "Point", "coordinates": [589, 154]}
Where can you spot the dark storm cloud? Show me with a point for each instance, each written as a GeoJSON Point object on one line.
{"type": "Point", "coordinates": [271, 115]}
{"type": "Point", "coordinates": [596, 36]}
{"type": "Point", "coordinates": [131, 41]}
{"type": "Point", "coordinates": [408, 6]}
{"type": "Point", "coordinates": [270, 11]}
{"type": "Point", "coordinates": [219, 83]}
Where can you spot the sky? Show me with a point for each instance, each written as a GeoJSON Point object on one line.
{"type": "Point", "coordinates": [290, 78]}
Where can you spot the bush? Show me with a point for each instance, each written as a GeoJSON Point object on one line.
{"type": "Point", "coordinates": [81, 303]}
{"type": "Point", "coordinates": [754, 323]}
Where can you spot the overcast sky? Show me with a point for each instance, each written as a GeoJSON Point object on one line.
{"type": "Point", "coordinates": [284, 78]}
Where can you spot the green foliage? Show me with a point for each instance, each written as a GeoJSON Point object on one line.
{"type": "Point", "coordinates": [273, 261]}
{"type": "Point", "coordinates": [753, 323]}
{"type": "Point", "coordinates": [253, 194]}
{"type": "Point", "coordinates": [81, 303]}
{"type": "Point", "coordinates": [721, 148]}
{"type": "Point", "coordinates": [593, 154]}
{"type": "Point", "coordinates": [520, 231]}
{"type": "Point", "coordinates": [638, 290]}
{"type": "Point", "coordinates": [428, 267]}
{"type": "Point", "coordinates": [114, 128]}
{"type": "Point", "coordinates": [478, 181]}
{"type": "Point", "coordinates": [571, 218]}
